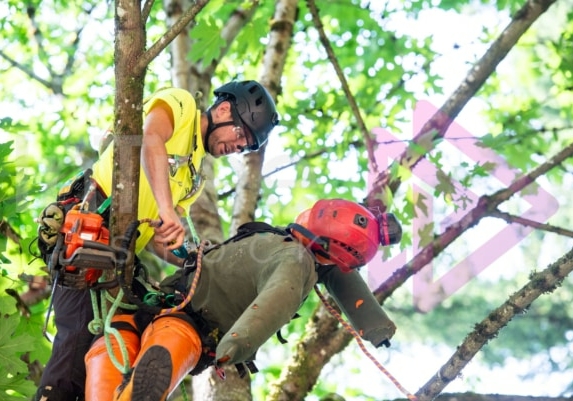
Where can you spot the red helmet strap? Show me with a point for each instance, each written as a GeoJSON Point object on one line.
{"type": "Point", "coordinates": [384, 234]}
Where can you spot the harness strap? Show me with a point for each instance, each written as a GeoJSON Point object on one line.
{"type": "Point", "coordinates": [243, 367]}
{"type": "Point", "coordinates": [251, 228]}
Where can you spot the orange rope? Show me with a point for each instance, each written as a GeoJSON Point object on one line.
{"type": "Point", "coordinates": [193, 284]}
{"type": "Point", "coordinates": [179, 307]}
{"type": "Point", "coordinates": [356, 336]}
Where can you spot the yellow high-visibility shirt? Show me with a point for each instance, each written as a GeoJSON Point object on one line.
{"type": "Point", "coordinates": [185, 152]}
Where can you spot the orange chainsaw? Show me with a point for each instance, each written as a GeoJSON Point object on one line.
{"type": "Point", "coordinates": [82, 252]}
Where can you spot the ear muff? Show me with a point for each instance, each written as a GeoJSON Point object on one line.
{"type": "Point", "coordinates": [390, 229]}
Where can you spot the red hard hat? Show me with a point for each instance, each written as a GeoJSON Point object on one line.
{"type": "Point", "coordinates": [339, 232]}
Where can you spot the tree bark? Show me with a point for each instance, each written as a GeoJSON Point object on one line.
{"type": "Point", "coordinates": [204, 212]}
{"type": "Point", "coordinates": [540, 283]}
{"type": "Point", "coordinates": [494, 397]}
{"type": "Point", "coordinates": [129, 82]}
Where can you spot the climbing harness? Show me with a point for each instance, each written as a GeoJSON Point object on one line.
{"type": "Point", "coordinates": [356, 336]}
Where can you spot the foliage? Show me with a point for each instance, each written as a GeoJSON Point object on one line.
{"type": "Point", "coordinates": [58, 85]}
{"type": "Point", "coordinates": [18, 341]}
{"type": "Point", "coordinates": [13, 369]}
{"type": "Point", "coordinates": [16, 331]}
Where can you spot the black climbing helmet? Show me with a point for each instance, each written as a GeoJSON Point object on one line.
{"type": "Point", "coordinates": [253, 105]}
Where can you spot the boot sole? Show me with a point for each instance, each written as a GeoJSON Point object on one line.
{"type": "Point", "coordinates": [152, 376]}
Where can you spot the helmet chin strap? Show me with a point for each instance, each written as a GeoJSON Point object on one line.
{"type": "Point", "coordinates": [212, 127]}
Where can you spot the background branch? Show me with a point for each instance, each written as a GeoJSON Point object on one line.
{"type": "Point", "coordinates": [540, 283]}
{"type": "Point", "coordinates": [351, 100]}
{"type": "Point", "coordinates": [509, 218]}
{"type": "Point", "coordinates": [437, 125]}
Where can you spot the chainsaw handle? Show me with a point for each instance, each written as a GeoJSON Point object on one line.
{"type": "Point", "coordinates": [97, 246]}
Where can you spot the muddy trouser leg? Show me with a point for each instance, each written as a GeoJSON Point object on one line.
{"type": "Point", "coordinates": [103, 377]}
{"type": "Point", "coordinates": [170, 349]}
{"type": "Point", "coordinates": [64, 375]}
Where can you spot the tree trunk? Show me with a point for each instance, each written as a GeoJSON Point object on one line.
{"type": "Point", "coordinates": [249, 182]}
{"type": "Point", "coordinates": [129, 46]}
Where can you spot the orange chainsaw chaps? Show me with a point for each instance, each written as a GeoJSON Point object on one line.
{"type": "Point", "coordinates": [103, 377]}
{"type": "Point", "coordinates": [182, 342]}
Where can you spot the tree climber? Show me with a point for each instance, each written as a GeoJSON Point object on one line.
{"type": "Point", "coordinates": [176, 138]}
{"type": "Point", "coordinates": [239, 293]}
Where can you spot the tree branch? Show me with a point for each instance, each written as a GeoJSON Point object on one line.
{"type": "Point", "coordinates": [28, 71]}
{"type": "Point", "coordinates": [56, 83]}
{"type": "Point", "coordinates": [308, 156]}
{"type": "Point", "coordinates": [146, 10]}
{"type": "Point", "coordinates": [7, 231]}
{"type": "Point", "coordinates": [351, 100]}
{"type": "Point", "coordinates": [540, 283]}
{"type": "Point", "coordinates": [484, 206]}
{"type": "Point", "coordinates": [274, 60]}
{"type": "Point", "coordinates": [73, 51]}
{"type": "Point", "coordinates": [437, 125]}
{"type": "Point", "coordinates": [38, 37]}
{"type": "Point", "coordinates": [339, 338]}
{"type": "Point", "coordinates": [186, 19]}
{"type": "Point", "coordinates": [530, 223]}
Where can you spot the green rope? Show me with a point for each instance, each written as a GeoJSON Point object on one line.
{"type": "Point", "coordinates": [102, 324]}
{"type": "Point", "coordinates": [122, 305]}
{"type": "Point", "coordinates": [193, 231]}
{"type": "Point", "coordinates": [96, 325]}
{"type": "Point", "coordinates": [108, 330]}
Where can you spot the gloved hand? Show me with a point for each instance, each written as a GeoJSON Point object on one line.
{"type": "Point", "coordinates": [50, 221]}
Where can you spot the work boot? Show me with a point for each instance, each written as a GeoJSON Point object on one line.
{"type": "Point", "coordinates": [151, 377]}
{"type": "Point", "coordinates": [170, 349]}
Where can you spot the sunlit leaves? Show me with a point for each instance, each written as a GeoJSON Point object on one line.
{"type": "Point", "coordinates": [207, 41]}
{"type": "Point", "coordinates": [445, 186]}
{"type": "Point", "coordinates": [16, 340]}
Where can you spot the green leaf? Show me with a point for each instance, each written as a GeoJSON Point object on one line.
{"type": "Point", "coordinates": [483, 170]}
{"type": "Point", "coordinates": [17, 383]}
{"type": "Point", "coordinates": [426, 234]}
{"type": "Point", "coordinates": [445, 185]}
{"type": "Point", "coordinates": [208, 42]}
{"type": "Point", "coordinates": [420, 202]}
{"type": "Point", "coordinates": [5, 149]}
{"type": "Point", "coordinates": [11, 347]}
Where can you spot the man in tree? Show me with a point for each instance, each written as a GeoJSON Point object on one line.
{"type": "Point", "coordinates": [176, 138]}
{"type": "Point", "coordinates": [240, 293]}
